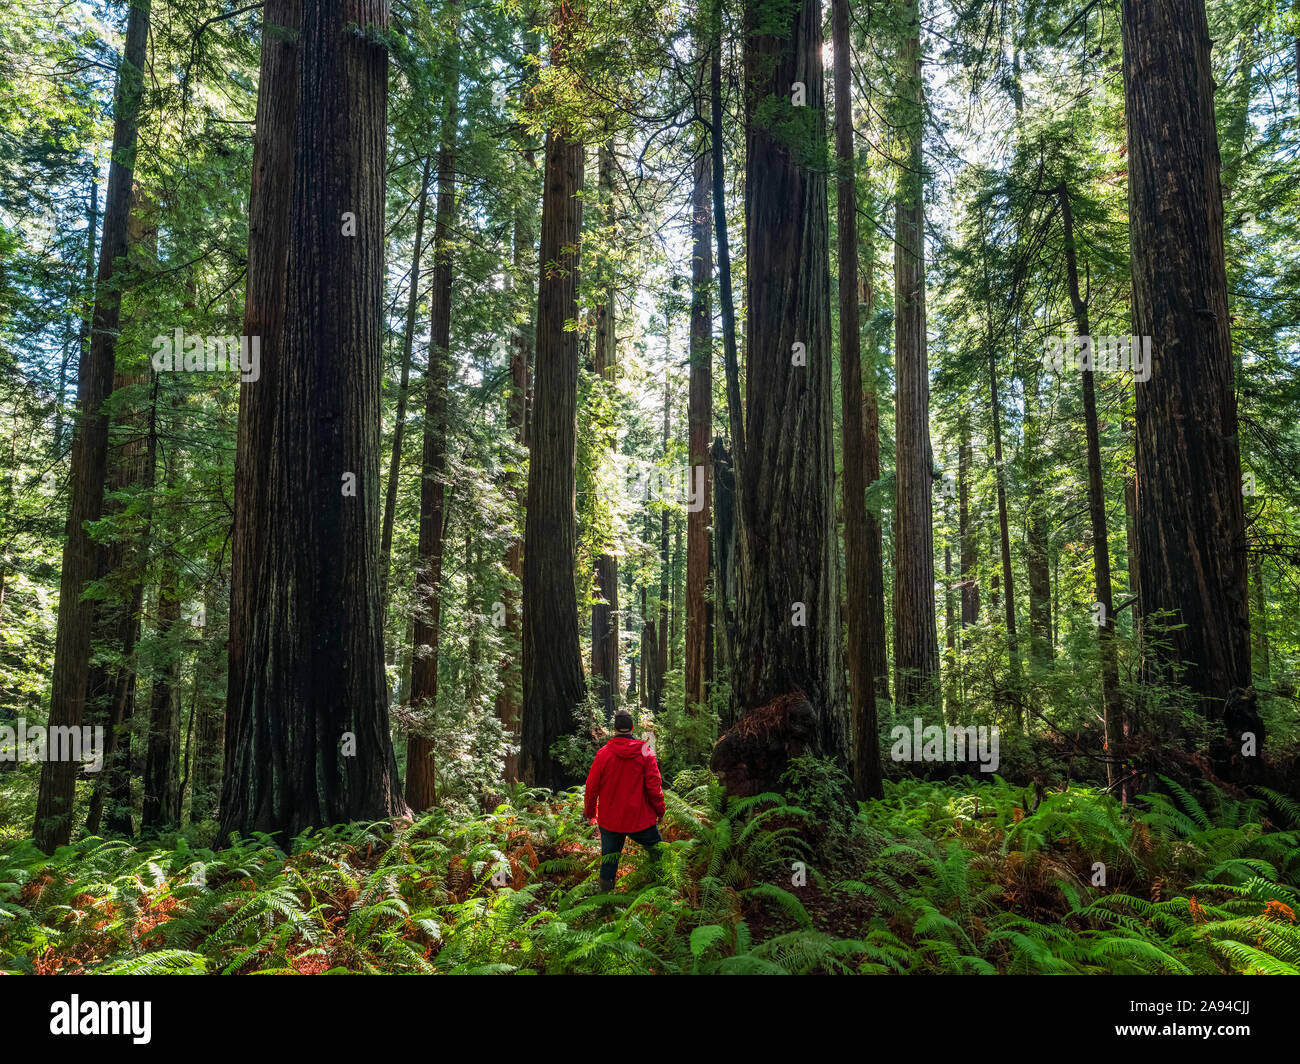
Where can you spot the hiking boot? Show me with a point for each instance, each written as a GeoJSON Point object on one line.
{"type": "Point", "coordinates": [606, 885]}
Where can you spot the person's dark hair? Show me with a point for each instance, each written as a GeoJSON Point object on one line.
{"type": "Point", "coordinates": [622, 721]}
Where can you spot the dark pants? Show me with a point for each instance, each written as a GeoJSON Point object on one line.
{"type": "Point", "coordinates": [611, 847]}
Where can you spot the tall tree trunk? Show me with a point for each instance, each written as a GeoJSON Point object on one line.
{"type": "Point", "coordinates": [82, 559]}
{"type": "Point", "coordinates": [111, 687]}
{"type": "Point", "coordinates": [552, 659]}
{"type": "Point", "coordinates": [399, 427]}
{"type": "Point", "coordinates": [524, 280]}
{"type": "Point", "coordinates": [951, 704]}
{"type": "Point", "coordinates": [604, 609]}
{"type": "Point", "coordinates": [995, 553]}
{"type": "Point", "coordinates": [675, 613]}
{"type": "Point", "coordinates": [1004, 532]}
{"type": "Point", "coordinates": [161, 804]}
{"type": "Point", "coordinates": [725, 570]}
{"type": "Point", "coordinates": [699, 429]}
{"type": "Point", "coordinates": [1112, 700]}
{"type": "Point", "coordinates": [473, 648]}
{"type": "Point", "coordinates": [970, 585]}
{"type": "Point", "coordinates": [311, 744]}
{"type": "Point", "coordinates": [1130, 535]}
{"type": "Point", "coordinates": [664, 574]}
{"type": "Point", "coordinates": [652, 675]}
{"type": "Point", "coordinates": [867, 773]}
{"type": "Point", "coordinates": [724, 466]}
{"type": "Point", "coordinates": [1190, 514]}
{"type": "Point", "coordinates": [876, 634]}
{"type": "Point", "coordinates": [269, 208]}
{"type": "Point", "coordinates": [641, 655]}
{"type": "Point", "coordinates": [205, 778]}
{"type": "Point", "coordinates": [421, 772]}
{"type": "Point", "coordinates": [788, 658]}
{"type": "Point", "coordinates": [521, 347]}
{"type": "Point", "coordinates": [1037, 544]}
{"type": "Point", "coordinates": [731, 360]}
{"type": "Point", "coordinates": [916, 641]}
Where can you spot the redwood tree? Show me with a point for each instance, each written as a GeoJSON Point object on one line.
{"type": "Point", "coordinates": [552, 659]}
{"type": "Point", "coordinates": [604, 608]}
{"type": "Point", "coordinates": [788, 657]}
{"type": "Point", "coordinates": [1190, 514]}
{"type": "Point", "coordinates": [310, 743]}
{"type": "Point", "coordinates": [916, 641]}
{"type": "Point", "coordinates": [82, 559]}
{"type": "Point", "coordinates": [862, 685]}
{"type": "Point", "coordinates": [699, 422]}
{"type": "Point", "coordinates": [426, 627]}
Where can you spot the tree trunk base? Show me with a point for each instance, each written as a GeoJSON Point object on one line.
{"type": "Point", "coordinates": [751, 757]}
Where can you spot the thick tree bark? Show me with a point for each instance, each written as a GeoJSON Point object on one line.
{"type": "Point", "coordinates": [1190, 515]}
{"type": "Point", "coordinates": [916, 641]}
{"type": "Point", "coordinates": [82, 559]}
{"type": "Point", "coordinates": [269, 204]}
{"type": "Point", "coordinates": [421, 772]}
{"type": "Point", "coordinates": [788, 660]}
{"type": "Point", "coordinates": [867, 773]}
{"type": "Point", "coordinates": [311, 744]}
{"type": "Point", "coordinates": [552, 659]}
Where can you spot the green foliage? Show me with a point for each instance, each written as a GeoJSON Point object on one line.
{"type": "Point", "coordinates": [1194, 885]}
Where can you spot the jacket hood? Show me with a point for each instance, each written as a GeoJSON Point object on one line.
{"type": "Point", "coordinates": [625, 747]}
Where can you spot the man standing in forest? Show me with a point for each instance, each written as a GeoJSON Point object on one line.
{"type": "Point", "coordinates": [624, 777]}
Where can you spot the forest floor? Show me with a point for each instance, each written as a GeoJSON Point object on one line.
{"type": "Point", "coordinates": [937, 877]}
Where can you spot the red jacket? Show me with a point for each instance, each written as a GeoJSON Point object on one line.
{"type": "Point", "coordinates": [625, 778]}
